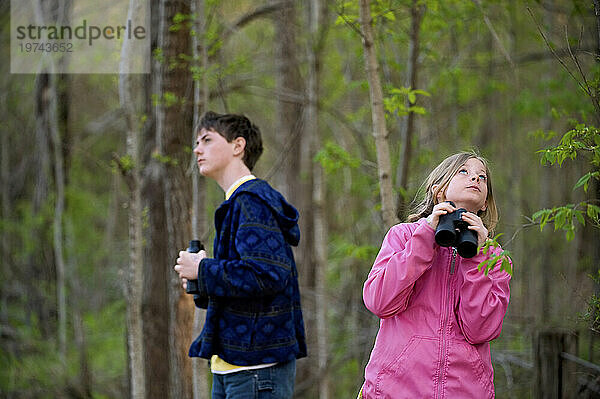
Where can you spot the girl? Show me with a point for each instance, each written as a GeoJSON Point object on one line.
{"type": "Point", "coordinates": [438, 311]}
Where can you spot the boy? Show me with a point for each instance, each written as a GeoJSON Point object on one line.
{"type": "Point", "coordinates": [254, 330]}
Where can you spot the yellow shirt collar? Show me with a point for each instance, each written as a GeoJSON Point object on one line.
{"type": "Point", "coordinates": [236, 184]}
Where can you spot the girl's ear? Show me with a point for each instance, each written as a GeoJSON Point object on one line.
{"type": "Point", "coordinates": [484, 207]}
{"type": "Point", "coordinates": [239, 145]}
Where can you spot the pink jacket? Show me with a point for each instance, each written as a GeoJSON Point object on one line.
{"type": "Point", "coordinates": [438, 314]}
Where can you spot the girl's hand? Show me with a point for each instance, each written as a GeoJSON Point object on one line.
{"type": "Point", "coordinates": [440, 209]}
{"type": "Point", "coordinates": [187, 264]}
{"type": "Point", "coordinates": [476, 225]}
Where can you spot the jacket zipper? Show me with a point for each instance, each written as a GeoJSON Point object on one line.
{"type": "Point", "coordinates": [445, 317]}
{"type": "Point", "coordinates": [454, 251]}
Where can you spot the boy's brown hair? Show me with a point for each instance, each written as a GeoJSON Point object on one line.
{"type": "Point", "coordinates": [232, 126]}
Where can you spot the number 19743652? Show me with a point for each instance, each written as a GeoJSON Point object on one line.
{"type": "Point", "coordinates": [34, 47]}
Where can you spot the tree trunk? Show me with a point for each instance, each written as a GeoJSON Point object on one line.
{"type": "Point", "coordinates": [59, 207]}
{"type": "Point", "coordinates": [129, 94]}
{"type": "Point", "coordinates": [288, 113]}
{"type": "Point", "coordinates": [37, 302]}
{"type": "Point", "coordinates": [294, 180]}
{"type": "Point", "coordinates": [554, 377]}
{"type": "Point", "coordinates": [47, 12]}
{"type": "Point", "coordinates": [5, 269]}
{"type": "Point", "coordinates": [593, 234]}
{"type": "Point", "coordinates": [454, 84]}
{"type": "Point", "coordinates": [85, 373]}
{"type": "Point", "coordinates": [380, 134]}
{"type": "Point", "coordinates": [512, 220]}
{"type": "Point", "coordinates": [416, 13]}
{"type": "Point", "coordinates": [489, 104]}
{"type": "Point", "coordinates": [77, 291]}
{"type": "Point", "coordinates": [200, 370]}
{"type": "Point", "coordinates": [156, 273]}
{"type": "Point", "coordinates": [174, 124]}
{"type": "Point", "coordinates": [542, 296]}
{"type": "Point", "coordinates": [311, 135]}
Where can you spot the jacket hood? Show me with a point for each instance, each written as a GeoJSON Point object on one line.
{"type": "Point", "coordinates": [285, 214]}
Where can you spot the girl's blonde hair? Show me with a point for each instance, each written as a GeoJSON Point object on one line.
{"type": "Point", "coordinates": [441, 177]}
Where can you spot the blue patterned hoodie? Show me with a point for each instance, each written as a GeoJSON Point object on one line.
{"type": "Point", "coordinates": [253, 307]}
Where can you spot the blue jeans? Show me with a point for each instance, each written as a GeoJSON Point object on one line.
{"type": "Point", "coordinates": [275, 382]}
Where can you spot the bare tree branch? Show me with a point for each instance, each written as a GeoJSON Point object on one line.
{"type": "Point", "coordinates": [249, 17]}
{"type": "Point", "coordinates": [589, 90]}
{"type": "Point", "coordinates": [354, 26]}
{"type": "Point", "coordinates": [559, 59]}
{"type": "Point", "coordinates": [487, 21]}
{"type": "Point", "coordinates": [544, 55]}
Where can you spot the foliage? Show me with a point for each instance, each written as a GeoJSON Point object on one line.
{"type": "Point", "coordinates": [332, 158]}
{"type": "Point", "coordinates": [33, 367]}
{"type": "Point", "coordinates": [124, 163]}
{"type": "Point", "coordinates": [168, 99]}
{"type": "Point", "coordinates": [502, 258]}
{"type": "Point", "coordinates": [347, 11]}
{"type": "Point", "coordinates": [181, 21]}
{"type": "Point", "coordinates": [344, 249]}
{"type": "Point", "coordinates": [593, 310]}
{"type": "Point", "coordinates": [106, 335]}
{"type": "Point", "coordinates": [581, 139]}
{"type": "Point", "coordinates": [396, 101]}
{"type": "Point", "coordinates": [164, 159]}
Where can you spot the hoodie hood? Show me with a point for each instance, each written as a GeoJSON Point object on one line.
{"type": "Point", "coordinates": [285, 214]}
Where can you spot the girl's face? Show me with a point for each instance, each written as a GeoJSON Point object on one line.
{"type": "Point", "coordinates": [468, 188]}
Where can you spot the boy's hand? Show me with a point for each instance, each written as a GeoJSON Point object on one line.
{"type": "Point", "coordinates": [187, 264]}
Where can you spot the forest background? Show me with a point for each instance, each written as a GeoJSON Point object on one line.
{"type": "Point", "coordinates": [100, 190]}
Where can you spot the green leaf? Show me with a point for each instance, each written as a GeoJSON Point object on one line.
{"type": "Point", "coordinates": [580, 218]}
{"type": "Point", "coordinates": [560, 218]}
{"type": "Point", "coordinates": [170, 99]}
{"type": "Point", "coordinates": [540, 213]}
{"type": "Point", "coordinates": [126, 163]}
{"type": "Point", "coordinates": [179, 18]}
{"type": "Point", "coordinates": [483, 265]}
{"type": "Point", "coordinates": [544, 216]}
{"type": "Point", "coordinates": [506, 266]}
{"type": "Point", "coordinates": [158, 55]}
{"type": "Point", "coordinates": [417, 110]}
{"type": "Point", "coordinates": [584, 181]}
{"type": "Point", "coordinates": [593, 211]}
{"type": "Point", "coordinates": [395, 101]}
{"type": "Point", "coordinates": [421, 92]}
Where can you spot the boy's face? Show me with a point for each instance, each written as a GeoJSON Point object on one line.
{"type": "Point", "coordinates": [213, 153]}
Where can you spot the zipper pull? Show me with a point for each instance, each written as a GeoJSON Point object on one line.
{"type": "Point", "coordinates": [454, 251]}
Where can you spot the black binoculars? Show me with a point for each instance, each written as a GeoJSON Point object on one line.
{"type": "Point", "coordinates": [452, 231]}
{"type": "Point", "coordinates": [192, 287]}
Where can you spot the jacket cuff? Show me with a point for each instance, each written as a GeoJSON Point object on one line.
{"type": "Point", "coordinates": [202, 291]}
